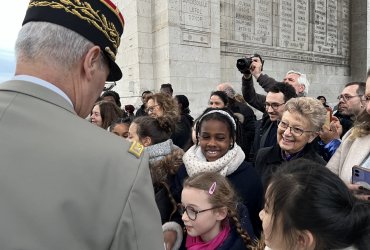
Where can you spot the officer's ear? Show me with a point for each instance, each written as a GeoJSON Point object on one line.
{"type": "Point", "coordinates": [91, 62]}
{"type": "Point", "coordinates": [146, 141]}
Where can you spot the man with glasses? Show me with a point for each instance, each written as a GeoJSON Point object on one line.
{"type": "Point", "coordinates": [351, 99]}
{"type": "Point", "coordinates": [273, 109]}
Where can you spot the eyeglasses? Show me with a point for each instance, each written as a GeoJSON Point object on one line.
{"type": "Point", "coordinates": [191, 212]}
{"type": "Point", "coordinates": [346, 98]}
{"type": "Point", "coordinates": [293, 130]}
{"type": "Point", "coordinates": [273, 105]}
{"type": "Point", "coordinates": [151, 109]}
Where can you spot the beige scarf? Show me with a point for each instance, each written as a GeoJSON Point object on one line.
{"type": "Point", "coordinates": [195, 162]}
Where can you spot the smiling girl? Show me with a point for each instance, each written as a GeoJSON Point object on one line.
{"type": "Point", "coordinates": [216, 151]}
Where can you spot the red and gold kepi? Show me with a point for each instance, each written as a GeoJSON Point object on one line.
{"type": "Point", "coordinates": [99, 21]}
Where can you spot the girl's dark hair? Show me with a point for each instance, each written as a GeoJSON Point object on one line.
{"type": "Point", "coordinates": [223, 196]}
{"type": "Point", "coordinates": [303, 195]}
{"type": "Point", "coordinates": [126, 120]}
{"type": "Point", "coordinates": [113, 94]}
{"type": "Point", "coordinates": [183, 104]}
{"type": "Point", "coordinates": [218, 117]}
{"type": "Point", "coordinates": [223, 96]}
{"type": "Point", "coordinates": [158, 129]}
{"type": "Point", "coordinates": [109, 112]}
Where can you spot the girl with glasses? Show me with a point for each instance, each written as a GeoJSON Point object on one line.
{"type": "Point", "coordinates": [209, 211]}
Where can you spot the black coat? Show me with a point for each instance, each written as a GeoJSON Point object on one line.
{"type": "Point", "coordinates": [270, 158]}
{"type": "Point", "coordinates": [265, 135]}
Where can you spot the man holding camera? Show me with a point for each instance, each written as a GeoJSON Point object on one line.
{"type": "Point", "coordinates": [253, 66]}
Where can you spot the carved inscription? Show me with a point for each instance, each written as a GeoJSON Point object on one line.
{"type": "Point", "coordinates": [344, 27]}
{"type": "Point", "coordinates": [196, 14]}
{"type": "Point", "coordinates": [294, 21]}
{"type": "Point", "coordinates": [325, 26]}
{"type": "Point", "coordinates": [253, 21]}
{"type": "Point", "coordinates": [302, 30]}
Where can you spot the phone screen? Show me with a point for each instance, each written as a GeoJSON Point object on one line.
{"type": "Point", "coordinates": [361, 176]}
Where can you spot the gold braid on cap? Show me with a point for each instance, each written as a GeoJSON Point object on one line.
{"type": "Point", "coordinates": [84, 11]}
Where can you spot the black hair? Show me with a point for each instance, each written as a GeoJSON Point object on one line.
{"type": "Point", "coordinates": [303, 195]}
{"type": "Point", "coordinates": [260, 57]}
{"type": "Point", "coordinates": [125, 120]}
{"type": "Point", "coordinates": [222, 95]}
{"type": "Point", "coordinates": [167, 86]}
{"type": "Point", "coordinates": [218, 116]}
{"type": "Point", "coordinates": [184, 101]}
{"type": "Point", "coordinates": [158, 129]}
{"type": "Point", "coordinates": [286, 89]}
{"type": "Point", "coordinates": [113, 94]}
{"type": "Point", "coordinates": [146, 92]}
{"type": "Point", "coordinates": [361, 87]}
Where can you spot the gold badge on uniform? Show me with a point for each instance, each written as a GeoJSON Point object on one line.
{"type": "Point", "coordinates": [136, 149]}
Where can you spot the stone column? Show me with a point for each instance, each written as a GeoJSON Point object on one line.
{"type": "Point", "coordinates": [171, 41]}
{"type": "Point", "coordinates": [360, 43]}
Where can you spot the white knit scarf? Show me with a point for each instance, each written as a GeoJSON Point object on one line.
{"type": "Point", "coordinates": [195, 162]}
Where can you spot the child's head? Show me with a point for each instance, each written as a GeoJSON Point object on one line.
{"type": "Point", "coordinates": [149, 131]}
{"type": "Point", "coordinates": [215, 133]}
{"type": "Point", "coordinates": [120, 127]}
{"type": "Point", "coordinates": [309, 207]}
{"type": "Point", "coordinates": [207, 200]}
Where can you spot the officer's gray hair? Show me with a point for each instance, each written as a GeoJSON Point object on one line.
{"type": "Point", "coordinates": [52, 44]}
{"type": "Point", "coordinates": [301, 80]}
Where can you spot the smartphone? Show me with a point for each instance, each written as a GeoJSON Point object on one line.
{"type": "Point", "coordinates": [361, 176]}
{"type": "Point", "coordinates": [328, 118]}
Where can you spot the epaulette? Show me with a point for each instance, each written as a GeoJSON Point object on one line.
{"type": "Point", "coordinates": [136, 149]}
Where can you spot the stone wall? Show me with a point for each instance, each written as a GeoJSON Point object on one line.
{"type": "Point", "coordinates": [194, 44]}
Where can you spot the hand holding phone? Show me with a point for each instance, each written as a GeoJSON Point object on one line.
{"type": "Point", "coordinates": [361, 176]}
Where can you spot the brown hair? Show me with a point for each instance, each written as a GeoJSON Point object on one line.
{"type": "Point", "coordinates": [109, 112]}
{"type": "Point", "coordinates": [168, 105]}
{"type": "Point", "coordinates": [224, 196]}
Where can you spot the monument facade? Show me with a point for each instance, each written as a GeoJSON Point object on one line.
{"type": "Point", "coordinates": [194, 44]}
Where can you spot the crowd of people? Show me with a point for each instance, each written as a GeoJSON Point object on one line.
{"type": "Point", "coordinates": [79, 170]}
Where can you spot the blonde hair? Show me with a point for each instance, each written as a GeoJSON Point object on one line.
{"type": "Point", "coordinates": [362, 125]}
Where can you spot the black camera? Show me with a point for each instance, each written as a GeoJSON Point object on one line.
{"type": "Point", "coordinates": [244, 64]}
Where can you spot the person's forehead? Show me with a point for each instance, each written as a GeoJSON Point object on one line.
{"type": "Point", "coordinates": [350, 90]}
{"type": "Point", "coordinates": [215, 98]}
{"type": "Point", "coordinates": [151, 101]}
{"type": "Point", "coordinates": [274, 97]}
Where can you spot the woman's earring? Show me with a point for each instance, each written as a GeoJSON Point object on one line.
{"type": "Point", "coordinates": [231, 146]}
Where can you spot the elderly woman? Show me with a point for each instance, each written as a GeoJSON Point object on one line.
{"type": "Point", "coordinates": [300, 124]}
